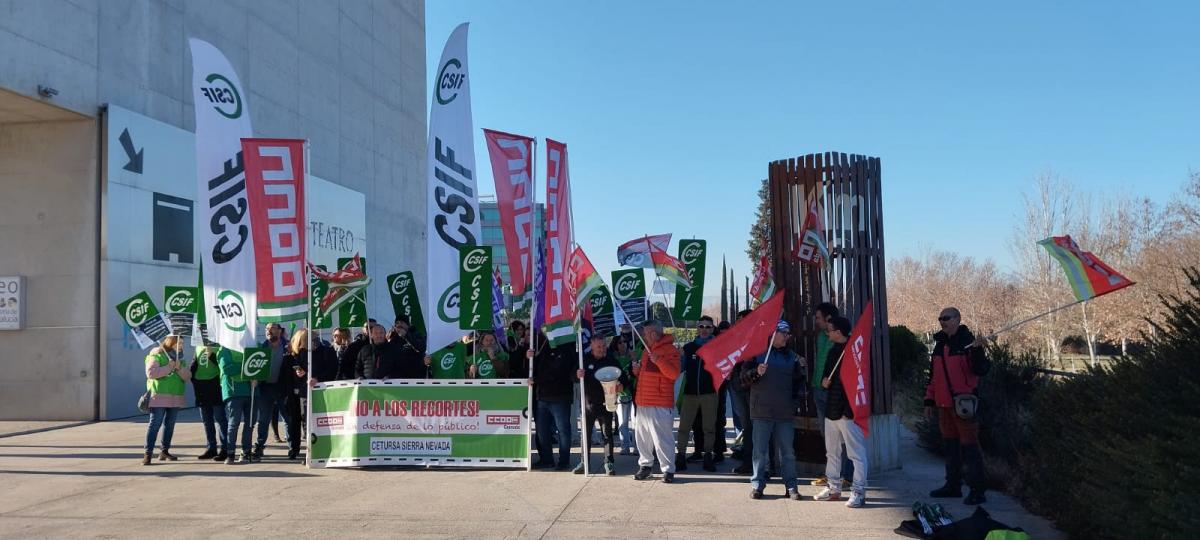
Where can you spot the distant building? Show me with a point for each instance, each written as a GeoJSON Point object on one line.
{"type": "Point", "coordinates": [493, 236]}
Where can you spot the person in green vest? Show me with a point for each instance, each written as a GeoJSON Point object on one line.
{"type": "Point", "coordinates": [621, 351]}
{"type": "Point", "coordinates": [489, 361]}
{"type": "Point", "coordinates": [166, 379]}
{"type": "Point", "coordinates": [206, 384]}
{"type": "Point", "coordinates": [236, 395]}
{"type": "Point", "coordinates": [825, 312]}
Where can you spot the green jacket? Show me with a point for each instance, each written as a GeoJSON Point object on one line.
{"type": "Point", "coordinates": [818, 367]}
{"type": "Point", "coordinates": [206, 370]}
{"type": "Point", "coordinates": [229, 369]}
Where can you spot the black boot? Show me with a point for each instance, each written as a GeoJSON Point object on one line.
{"type": "Point", "coordinates": [976, 476]}
{"type": "Point", "coordinates": [953, 455]}
{"type": "Point", "coordinates": [709, 465]}
{"type": "Point", "coordinates": [681, 462]}
{"type": "Point", "coordinates": [643, 473]}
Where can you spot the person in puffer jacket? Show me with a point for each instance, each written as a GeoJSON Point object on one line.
{"type": "Point", "coordinates": [959, 354]}
{"type": "Point", "coordinates": [655, 400]}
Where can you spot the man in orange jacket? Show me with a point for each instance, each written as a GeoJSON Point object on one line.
{"type": "Point", "coordinates": [655, 400]}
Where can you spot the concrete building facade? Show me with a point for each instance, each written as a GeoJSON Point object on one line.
{"type": "Point", "coordinates": [349, 76]}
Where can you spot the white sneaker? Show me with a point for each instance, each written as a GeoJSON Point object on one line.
{"type": "Point", "coordinates": [857, 499]}
{"type": "Point", "coordinates": [828, 495]}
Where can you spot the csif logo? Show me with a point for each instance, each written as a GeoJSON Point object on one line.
{"type": "Point", "coordinates": [136, 312]}
{"type": "Point", "coordinates": [448, 304]}
{"type": "Point", "coordinates": [232, 310]}
{"type": "Point", "coordinates": [626, 286]}
{"type": "Point", "coordinates": [450, 79]}
{"type": "Point", "coordinates": [223, 96]}
{"type": "Point", "coordinates": [692, 252]}
{"type": "Point", "coordinates": [180, 301]}
{"type": "Point", "coordinates": [400, 284]}
{"type": "Point", "coordinates": [254, 364]}
{"type": "Point", "coordinates": [474, 260]}
{"type": "Point", "coordinates": [447, 361]}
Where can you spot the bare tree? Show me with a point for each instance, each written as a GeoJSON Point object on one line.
{"type": "Point", "coordinates": [1049, 210]}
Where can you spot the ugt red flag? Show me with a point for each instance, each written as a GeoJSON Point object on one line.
{"type": "Point", "coordinates": [512, 168]}
{"type": "Point", "coordinates": [744, 340]}
{"type": "Point", "coordinates": [855, 371]}
{"type": "Point", "coordinates": [275, 192]}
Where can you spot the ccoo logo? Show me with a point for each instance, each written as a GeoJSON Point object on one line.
{"type": "Point", "coordinates": [136, 312]}
{"type": "Point", "coordinates": [223, 96]}
{"type": "Point", "coordinates": [253, 366]}
{"type": "Point", "coordinates": [450, 79]}
{"type": "Point", "coordinates": [692, 252]}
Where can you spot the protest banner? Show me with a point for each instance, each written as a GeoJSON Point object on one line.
{"type": "Point", "coordinates": [475, 288]}
{"type": "Point", "coordinates": [181, 307]}
{"type": "Point", "coordinates": [144, 320]}
{"type": "Point", "coordinates": [406, 301]}
{"type": "Point", "coordinates": [689, 300]}
{"type": "Point", "coordinates": [417, 422]}
{"type": "Point", "coordinates": [629, 290]}
{"type": "Point", "coordinates": [450, 362]}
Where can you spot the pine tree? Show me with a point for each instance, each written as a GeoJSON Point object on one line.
{"type": "Point", "coordinates": [760, 230]}
{"type": "Point", "coordinates": [724, 293]}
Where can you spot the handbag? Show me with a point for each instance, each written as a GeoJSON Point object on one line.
{"type": "Point", "coordinates": [143, 402]}
{"type": "Point", "coordinates": [966, 406]}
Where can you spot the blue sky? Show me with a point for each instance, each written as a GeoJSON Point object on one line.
{"type": "Point", "coordinates": [672, 110]}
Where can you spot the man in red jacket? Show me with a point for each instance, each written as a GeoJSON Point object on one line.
{"type": "Point", "coordinates": [957, 353]}
{"type": "Point", "coordinates": [654, 397]}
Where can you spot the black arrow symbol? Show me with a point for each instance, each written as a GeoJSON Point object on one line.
{"type": "Point", "coordinates": [135, 159]}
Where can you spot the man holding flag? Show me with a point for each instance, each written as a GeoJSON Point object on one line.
{"type": "Point", "coordinates": [843, 423]}
{"type": "Point", "coordinates": [777, 389]}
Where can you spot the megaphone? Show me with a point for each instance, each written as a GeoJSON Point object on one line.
{"type": "Point", "coordinates": [608, 377]}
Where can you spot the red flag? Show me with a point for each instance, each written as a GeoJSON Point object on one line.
{"type": "Point", "coordinates": [275, 192]}
{"type": "Point", "coordinates": [809, 246]}
{"type": "Point", "coordinates": [559, 306]}
{"type": "Point", "coordinates": [746, 339]}
{"type": "Point", "coordinates": [512, 168]}
{"type": "Point", "coordinates": [855, 371]}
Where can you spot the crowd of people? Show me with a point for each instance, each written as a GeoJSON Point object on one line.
{"type": "Point", "coordinates": [767, 392]}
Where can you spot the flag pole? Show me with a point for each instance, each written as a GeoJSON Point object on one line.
{"type": "Point", "coordinates": [1034, 318]}
{"type": "Point", "coordinates": [533, 306]}
{"type": "Point", "coordinates": [584, 428]}
{"type": "Point", "coordinates": [308, 323]}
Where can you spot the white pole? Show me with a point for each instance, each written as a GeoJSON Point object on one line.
{"type": "Point", "coordinates": [584, 428]}
{"type": "Point", "coordinates": [308, 324]}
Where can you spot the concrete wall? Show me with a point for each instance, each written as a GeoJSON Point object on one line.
{"type": "Point", "coordinates": [48, 219]}
{"type": "Point", "coordinates": [350, 76]}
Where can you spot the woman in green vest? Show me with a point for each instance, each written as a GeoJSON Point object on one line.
{"type": "Point", "coordinates": [166, 379]}
{"type": "Point", "coordinates": [206, 383]}
{"type": "Point", "coordinates": [490, 361]}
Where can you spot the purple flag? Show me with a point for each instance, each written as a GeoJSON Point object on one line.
{"type": "Point", "coordinates": [539, 288]}
{"type": "Point", "coordinates": [497, 305]}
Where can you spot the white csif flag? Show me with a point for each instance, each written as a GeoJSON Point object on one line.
{"type": "Point", "coordinates": [453, 201]}
{"type": "Point", "coordinates": [226, 245]}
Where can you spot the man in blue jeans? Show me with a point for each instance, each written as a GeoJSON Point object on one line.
{"type": "Point", "coordinates": [554, 380]}
{"type": "Point", "coordinates": [236, 396]}
{"type": "Point", "coordinates": [273, 395]}
{"type": "Point", "coordinates": [823, 314]}
{"type": "Point", "coordinates": [777, 388]}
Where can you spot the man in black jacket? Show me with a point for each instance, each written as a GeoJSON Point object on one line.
{"type": "Point", "coordinates": [355, 347]}
{"type": "Point", "coordinates": [698, 396]}
{"type": "Point", "coordinates": [554, 376]}
{"type": "Point", "coordinates": [840, 427]}
{"type": "Point", "coordinates": [598, 358]}
{"type": "Point", "coordinates": [777, 388]}
{"type": "Point", "coordinates": [376, 360]}
{"type": "Point", "coordinates": [409, 350]}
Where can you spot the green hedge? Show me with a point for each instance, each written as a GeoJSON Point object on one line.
{"type": "Point", "coordinates": [1113, 452]}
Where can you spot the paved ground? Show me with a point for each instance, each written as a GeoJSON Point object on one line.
{"type": "Point", "coordinates": [87, 482]}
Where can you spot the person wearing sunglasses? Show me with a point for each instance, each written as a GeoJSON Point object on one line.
{"type": "Point", "coordinates": [698, 396]}
{"type": "Point", "coordinates": [959, 355]}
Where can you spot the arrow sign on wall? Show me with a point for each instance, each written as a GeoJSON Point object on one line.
{"type": "Point", "coordinates": [135, 158]}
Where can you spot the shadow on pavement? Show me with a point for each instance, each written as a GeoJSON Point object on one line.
{"type": "Point", "coordinates": [169, 474]}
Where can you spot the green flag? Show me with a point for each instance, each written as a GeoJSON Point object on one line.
{"type": "Point", "coordinates": [255, 364]}
{"type": "Point", "coordinates": [317, 288]}
{"type": "Point", "coordinates": [354, 312]}
{"type": "Point", "coordinates": [689, 301]}
{"type": "Point", "coordinates": [450, 362]}
{"type": "Point", "coordinates": [405, 300]}
{"type": "Point", "coordinates": [475, 288]}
